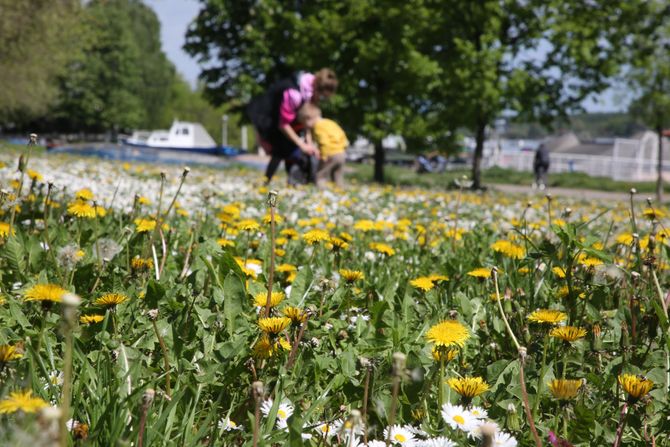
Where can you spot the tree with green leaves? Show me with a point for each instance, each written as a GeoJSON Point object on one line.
{"type": "Point", "coordinates": [121, 79]}
{"type": "Point", "coordinates": [374, 46]}
{"type": "Point", "coordinates": [538, 59]}
{"type": "Point", "coordinates": [649, 78]}
{"type": "Point", "coordinates": [38, 38]}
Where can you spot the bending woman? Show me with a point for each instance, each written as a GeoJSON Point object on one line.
{"type": "Point", "coordinates": [275, 115]}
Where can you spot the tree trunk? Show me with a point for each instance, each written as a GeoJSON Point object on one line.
{"type": "Point", "coordinates": [379, 161]}
{"type": "Point", "coordinates": [479, 152]}
{"type": "Point", "coordinates": [659, 179]}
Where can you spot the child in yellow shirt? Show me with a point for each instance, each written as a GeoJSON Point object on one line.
{"type": "Point", "coordinates": [332, 143]}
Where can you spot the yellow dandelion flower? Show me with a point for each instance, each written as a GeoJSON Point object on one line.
{"type": "Point", "coordinates": [4, 229]}
{"type": "Point", "coordinates": [314, 236]}
{"type": "Point", "coordinates": [436, 277]}
{"type": "Point", "coordinates": [111, 299]}
{"type": "Point", "coordinates": [286, 268]}
{"type": "Point", "coordinates": [34, 175]}
{"type": "Point", "coordinates": [181, 212]}
{"type": "Point", "coordinates": [625, 239]}
{"type": "Point", "coordinates": [351, 276]}
{"type": "Point", "coordinates": [261, 299]}
{"type": "Point", "coordinates": [589, 261]}
{"type": "Point", "coordinates": [338, 244]}
{"type": "Point", "coordinates": [289, 233]}
{"type": "Point", "coordinates": [509, 249]}
{"type": "Point", "coordinates": [45, 292]}
{"type": "Point", "coordinates": [273, 325]}
{"type": "Point", "coordinates": [547, 316]}
{"type": "Point", "coordinates": [423, 283]}
{"type": "Point", "coordinates": [84, 194]}
{"type": "Point", "coordinates": [145, 225]}
{"type": "Point", "coordinates": [21, 401]}
{"type": "Point", "coordinates": [248, 225]}
{"type": "Point", "coordinates": [447, 354]}
{"type": "Point", "coordinates": [564, 389]}
{"type": "Point", "coordinates": [568, 333]}
{"type": "Point", "coordinates": [364, 225]}
{"type": "Point", "coordinates": [232, 210]}
{"type": "Point", "coordinates": [468, 387]}
{"type": "Point", "coordinates": [266, 348]}
{"type": "Point", "coordinates": [296, 315]}
{"type": "Point", "coordinates": [138, 263]}
{"type": "Point", "coordinates": [144, 200]}
{"type": "Point", "coordinates": [448, 333]}
{"type": "Point", "coordinates": [384, 249]}
{"type": "Point", "coordinates": [80, 208]}
{"type": "Point", "coordinates": [9, 353]}
{"type": "Point", "coordinates": [346, 236]}
{"type": "Point", "coordinates": [653, 213]}
{"type": "Point", "coordinates": [481, 272]}
{"type": "Point", "coordinates": [223, 242]}
{"type": "Point", "coordinates": [635, 386]}
{"type": "Point", "coordinates": [91, 319]}
{"type": "Point", "coordinates": [559, 272]}
{"type": "Point", "coordinates": [278, 219]}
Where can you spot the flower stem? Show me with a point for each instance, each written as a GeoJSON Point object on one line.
{"type": "Point", "coordinates": [541, 376]}
{"type": "Point", "coordinates": [366, 391]}
{"type": "Point", "coordinates": [294, 348]}
{"type": "Point", "coordinates": [522, 360]}
{"type": "Point", "coordinates": [272, 202]}
{"type": "Point", "coordinates": [622, 424]}
{"type": "Point", "coordinates": [66, 397]}
{"type": "Point", "coordinates": [166, 360]}
{"type": "Point", "coordinates": [440, 384]}
{"type": "Point", "coordinates": [524, 396]}
{"type": "Point", "coordinates": [257, 390]}
{"type": "Point", "coordinates": [146, 403]}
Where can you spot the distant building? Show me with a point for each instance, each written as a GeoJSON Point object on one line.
{"type": "Point", "coordinates": [626, 159]}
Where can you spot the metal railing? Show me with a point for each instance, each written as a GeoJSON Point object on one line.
{"type": "Point", "coordinates": [624, 169]}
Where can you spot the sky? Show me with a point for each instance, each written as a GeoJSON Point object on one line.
{"type": "Point", "coordinates": [175, 16]}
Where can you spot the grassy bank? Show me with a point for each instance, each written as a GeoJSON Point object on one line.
{"type": "Point", "coordinates": [401, 176]}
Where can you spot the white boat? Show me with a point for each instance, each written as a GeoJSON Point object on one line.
{"type": "Point", "coordinates": [182, 136]}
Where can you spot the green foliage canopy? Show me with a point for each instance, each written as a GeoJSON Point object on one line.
{"type": "Point", "coordinates": [37, 39]}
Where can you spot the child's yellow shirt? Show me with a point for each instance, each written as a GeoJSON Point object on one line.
{"type": "Point", "coordinates": [330, 137]}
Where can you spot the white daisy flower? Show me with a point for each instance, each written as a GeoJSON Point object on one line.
{"type": "Point", "coordinates": [284, 412]}
{"type": "Point", "coordinates": [376, 444]}
{"type": "Point", "coordinates": [345, 428]}
{"type": "Point", "coordinates": [325, 430]}
{"type": "Point", "coordinates": [55, 379]}
{"type": "Point", "coordinates": [71, 424]}
{"type": "Point", "coordinates": [479, 412]}
{"type": "Point", "coordinates": [417, 431]}
{"type": "Point", "coordinates": [399, 435]}
{"type": "Point", "coordinates": [226, 424]}
{"type": "Point", "coordinates": [458, 418]}
{"type": "Point", "coordinates": [503, 439]}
